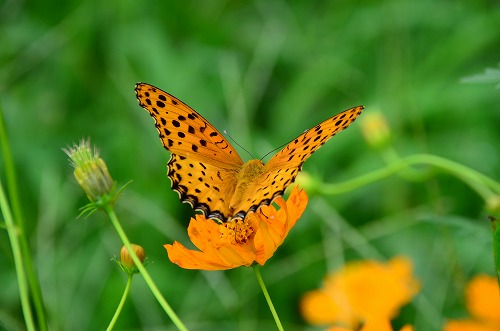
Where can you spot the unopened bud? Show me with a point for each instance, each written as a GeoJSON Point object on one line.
{"type": "Point", "coordinates": [126, 261]}
{"type": "Point", "coordinates": [90, 171]}
{"type": "Point", "coordinates": [493, 205]}
{"type": "Point", "coordinates": [307, 182]}
{"type": "Point", "coordinates": [375, 130]}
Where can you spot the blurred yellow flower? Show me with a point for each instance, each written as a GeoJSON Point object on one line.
{"type": "Point", "coordinates": [362, 292]}
{"type": "Point", "coordinates": [483, 302]}
{"type": "Point", "coordinates": [376, 130]}
{"type": "Point", "coordinates": [242, 242]}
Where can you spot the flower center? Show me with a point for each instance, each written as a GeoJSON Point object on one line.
{"type": "Point", "coordinates": [235, 232]}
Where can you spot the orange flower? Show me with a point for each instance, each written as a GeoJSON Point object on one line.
{"type": "Point", "coordinates": [367, 291]}
{"type": "Point", "coordinates": [239, 243]}
{"type": "Point", "coordinates": [483, 302]}
{"type": "Point", "coordinates": [374, 325]}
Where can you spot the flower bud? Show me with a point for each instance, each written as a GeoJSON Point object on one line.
{"type": "Point", "coordinates": [493, 205]}
{"type": "Point", "coordinates": [126, 260]}
{"type": "Point", "coordinates": [376, 130]}
{"type": "Point", "coordinates": [307, 182]}
{"type": "Point", "coordinates": [90, 171]}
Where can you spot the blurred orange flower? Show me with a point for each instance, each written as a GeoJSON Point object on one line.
{"type": "Point", "coordinates": [240, 242]}
{"type": "Point", "coordinates": [373, 325]}
{"type": "Point", "coordinates": [483, 302]}
{"type": "Point", "coordinates": [362, 292]}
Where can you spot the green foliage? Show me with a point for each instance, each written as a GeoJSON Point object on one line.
{"type": "Point", "coordinates": [265, 71]}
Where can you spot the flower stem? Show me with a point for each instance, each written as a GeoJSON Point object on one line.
{"type": "Point", "coordinates": [256, 269]}
{"type": "Point", "coordinates": [121, 304]}
{"type": "Point", "coordinates": [482, 184]}
{"type": "Point", "coordinates": [495, 229]}
{"type": "Point", "coordinates": [147, 278]}
{"type": "Point", "coordinates": [13, 233]}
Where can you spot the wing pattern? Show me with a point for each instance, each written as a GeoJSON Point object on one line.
{"type": "Point", "coordinates": [203, 163]}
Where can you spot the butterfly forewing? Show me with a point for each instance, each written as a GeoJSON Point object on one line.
{"type": "Point", "coordinates": [283, 168]}
{"type": "Point", "coordinates": [301, 148]}
{"type": "Point", "coordinates": [203, 164]}
{"type": "Point", "coordinates": [183, 131]}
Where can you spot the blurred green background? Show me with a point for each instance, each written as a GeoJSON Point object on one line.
{"type": "Point", "coordinates": [265, 71]}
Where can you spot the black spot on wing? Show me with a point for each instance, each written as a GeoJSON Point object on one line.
{"type": "Point", "coordinates": [191, 199]}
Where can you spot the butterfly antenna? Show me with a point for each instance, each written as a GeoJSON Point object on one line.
{"type": "Point", "coordinates": [234, 141]}
{"type": "Point", "coordinates": [272, 151]}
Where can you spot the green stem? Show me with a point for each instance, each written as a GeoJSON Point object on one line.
{"type": "Point", "coordinates": [121, 304]}
{"type": "Point", "coordinates": [479, 182]}
{"type": "Point", "coordinates": [256, 268]}
{"type": "Point", "coordinates": [18, 219]}
{"type": "Point", "coordinates": [13, 232]}
{"type": "Point", "coordinates": [495, 229]}
{"type": "Point", "coordinates": [147, 278]}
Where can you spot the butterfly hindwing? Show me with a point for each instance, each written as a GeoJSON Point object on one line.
{"type": "Point", "coordinates": [204, 186]}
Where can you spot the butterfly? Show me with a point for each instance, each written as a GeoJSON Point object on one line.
{"type": "Point", "coordinates": [207, 172]}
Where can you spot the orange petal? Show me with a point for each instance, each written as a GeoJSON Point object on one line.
{"type": "Point", "coordinates": [374, 326]}
{"type": "Point", "coordinates": [338, 328]}
{"type": "Point", "coordinates": [190, 259]}
{"type": "Point", "coordinates": [318, 308]}
{"type": "Point", "coordinates": [203, 232]}
{"type": "Point", "coordinates": [483, 299]}
{"type": "Point", "coordinates": [378, 324]}
{"type": "Point", "coordinates": [275, 225]}
{"type": "Point", "coordinates": [468, 325]}
{"type": "Point", "coordinates": [296, 204]}
{"type": "Point", "coordinates": [212, 258]}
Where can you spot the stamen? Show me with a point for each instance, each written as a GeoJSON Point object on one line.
{"type": "Point", "coordinates": [235, 232]}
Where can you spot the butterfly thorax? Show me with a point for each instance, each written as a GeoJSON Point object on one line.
{"type": "Point", "coordinates": [246, 177]}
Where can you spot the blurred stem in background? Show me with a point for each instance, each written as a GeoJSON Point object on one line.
{"type": "Point", "coordinates": [486, 187]}
{"type": "Point", "coordinates": [495, 228]}
{"type": "Point", "coordinates": [93, 176]}
{"type": "Point", "coordinates": [20, 247]}
{"type": "Point", "coordinates": [14, 235]}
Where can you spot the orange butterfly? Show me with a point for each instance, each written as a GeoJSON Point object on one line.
{"type": "Point", "coordinates": [207, 172]}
